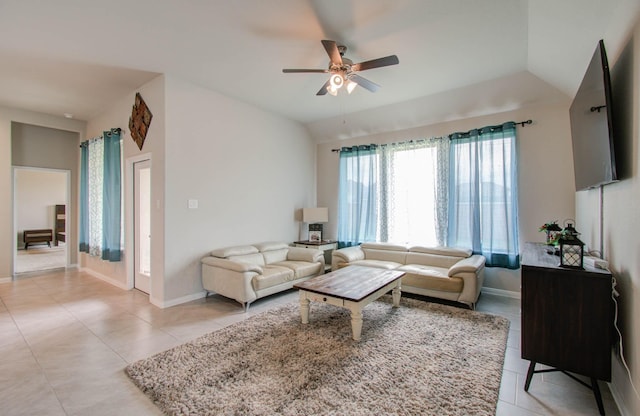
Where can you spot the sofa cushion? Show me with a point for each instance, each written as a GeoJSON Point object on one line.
{"type": "Point", "coordinates": [234, 251]}
{"type": "Point", "coordinates": [249, 258]}
{"type": "Point", "coordinates": [380, 264]}
{"type": "Point", "coordinates": [271, 276]}
{"type": "Point", "coordinates": [384, 246]}
{"type": "Point", "coordinates": [384, 252]}
{"type": "Point", "coordinates": [273, 251]}
{"type": "Point", "coordinates": [429, 277]}
{"type": "Point", "coordinates": [300, 268]}
{"type": "Point", "coordinates": [275, 256]}
{"type": "Point", "coordinates": [271, 245]}
{"type": "Point", "coordinates": [431, 260]}
{"type": "Point", "coordinates": [442, 251]}
{"type": "Point", "coordinates": [305, 254]}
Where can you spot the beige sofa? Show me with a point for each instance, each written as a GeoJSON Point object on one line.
{"type": "Point", "coordinates": [246, 273]}
{"type": "Point", "coordinates": [441, 272]}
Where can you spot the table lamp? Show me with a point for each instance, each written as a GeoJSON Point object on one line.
{"type": "Point", "coordinates": [315, 217]}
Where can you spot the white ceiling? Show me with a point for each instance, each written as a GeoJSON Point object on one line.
{"type": "Point", "coordinates": [71, 56]}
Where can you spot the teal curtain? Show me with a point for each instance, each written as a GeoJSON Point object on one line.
{"type": "Point", "coordinates": [357, 195]}
{"type": "Point", "coordinates": [83, 235]}
{"type": "Point", "coordinates": [483, 194]}
{"type": "Point", "coordinates": [111, 197]}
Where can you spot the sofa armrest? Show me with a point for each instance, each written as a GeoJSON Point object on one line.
{"type": "Point", "coordinates": [469, 265]}
{"type": "Point", "coordinates": [235, 266]}
{"type": "Point", "coordinates": [312, 255]}
{"type": "Point", "coordinates": [346, 255]}
{"type": "Point", "coordinates": [349, 254]}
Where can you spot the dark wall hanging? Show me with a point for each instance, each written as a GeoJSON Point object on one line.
{"type": "Point", "coordinates": [139, 121]}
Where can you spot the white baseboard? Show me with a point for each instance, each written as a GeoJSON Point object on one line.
{"type": "Point", "coordinates": [617, 398]}
{"type": "Point", "coordinates": [501, 292]}
{"type": "Point", "coordinates": [102, 277]}
{"type": "Point", "coordinates": [5, 279]}
{"type": "Point", "coordinates": [173, 302]}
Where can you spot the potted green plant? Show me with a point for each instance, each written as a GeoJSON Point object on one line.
{"type": "Point", "coordinates": [552, 230]}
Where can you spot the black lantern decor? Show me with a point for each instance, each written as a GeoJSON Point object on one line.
{"type": "Point", "coordinates": [571, 248]}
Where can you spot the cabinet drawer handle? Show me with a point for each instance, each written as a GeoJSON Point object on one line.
{"type": "Point", "coordinates": [324, 299]}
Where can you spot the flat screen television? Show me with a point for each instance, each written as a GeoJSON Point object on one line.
{"type": "Point", "coordinates": [591, 126]}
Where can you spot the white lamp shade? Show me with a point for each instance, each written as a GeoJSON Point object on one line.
{"type": "Point", "coordinates": [336, 81]}
{"type": "Point", "coordinates": [315, 215]}
{"type": "Point", "coordinates": [351, 86]}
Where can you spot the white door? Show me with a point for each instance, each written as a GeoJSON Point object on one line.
{"type": "Point", "coordinates": [142, 226]}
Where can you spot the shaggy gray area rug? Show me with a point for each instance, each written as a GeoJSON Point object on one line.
{"type": "Point", "coordinates": [418, 359]}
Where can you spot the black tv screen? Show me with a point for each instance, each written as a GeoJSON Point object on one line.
{"type": "Point", "coordinates": [591, 126]}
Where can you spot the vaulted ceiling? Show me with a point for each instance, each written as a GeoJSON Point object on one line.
{"type": "Point", "coordinates": [78, 57]}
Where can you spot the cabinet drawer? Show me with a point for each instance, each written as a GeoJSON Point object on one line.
{"type": "Point", "coordinates": [316, 297]}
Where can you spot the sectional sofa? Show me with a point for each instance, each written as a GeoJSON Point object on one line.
{"type": "Point", "coordinates": [249, 272]}
{"type": "Point", "coordinates": [440, 272]}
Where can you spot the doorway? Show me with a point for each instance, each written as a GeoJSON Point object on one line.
{"type": "Point", "coordinates": [142, 225]}
{"type": "Point", "coordinates": [41, 202]}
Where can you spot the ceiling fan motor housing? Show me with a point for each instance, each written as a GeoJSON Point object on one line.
{"type": "Point", "coordinates": [343, 70]}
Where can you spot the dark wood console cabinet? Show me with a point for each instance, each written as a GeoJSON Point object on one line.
{"type": "Point", "coordinates": [567, 317]}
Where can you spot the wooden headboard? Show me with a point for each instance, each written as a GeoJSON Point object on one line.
{"type": "Point", "coordinates": [60, 222]}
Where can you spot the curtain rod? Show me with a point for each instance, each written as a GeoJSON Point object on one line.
{"type": "Point", "coordinates": [522, 124]}
{"type": "Point", "coordinates": [113, 130]}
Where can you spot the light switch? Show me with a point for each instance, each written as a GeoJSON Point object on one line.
{"type": "Point", "coordinates": [193, 204]}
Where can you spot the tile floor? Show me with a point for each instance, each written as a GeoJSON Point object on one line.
{"type": "Point", "coordinates": [65, 338]}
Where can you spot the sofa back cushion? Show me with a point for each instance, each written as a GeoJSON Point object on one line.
{"type": "Point", "coordinates": [227, 252]}
{"type": "Point", "coordinates": [444, 257]}
{"type": "Point", "coordinates": [242, 254]}
{"type": "Point", "coordinates": [384, 251]}
{"type": "Point", "coordinates": [463, 253]}
{"type": "Point", "coordinates": [432, 260]}
{"type": "Point", "coordinates": [273, 251]}
{"type": "Point", "coordinates": [249, 258]}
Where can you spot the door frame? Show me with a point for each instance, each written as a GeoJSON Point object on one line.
{"type": "Point", "coordinates": [129, 244]}
{"type": "Point", "coordinates": [67, 196]}
{"type": "Point", "coordinates": [141, 281]}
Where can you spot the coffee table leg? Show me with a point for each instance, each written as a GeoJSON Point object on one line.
{"type": "Point", "coordinates": [396, 293]}
{"type": "Point", "coordinates": [304, 307]}
{"type": "Point", "coordinates": [356, 323]}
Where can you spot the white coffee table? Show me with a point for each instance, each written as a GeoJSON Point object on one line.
{"type": "Point", "coordinates": [353, 288]}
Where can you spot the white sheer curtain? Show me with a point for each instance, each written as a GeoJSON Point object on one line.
{"type": "Point", "coordinates": [483, 213]}
{"type": "Point", "coordinates": [95, 170]}
{"type": "Point", "coordinates": [359, 195]}
{"type": "Point", "coordinates": [415, 192]}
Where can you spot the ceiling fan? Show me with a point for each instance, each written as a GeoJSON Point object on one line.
{"type": "Point", "coordinates": [343, 70]}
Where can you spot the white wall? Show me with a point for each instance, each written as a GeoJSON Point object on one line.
{"type": "Point", "coordinates": [120, 273]}
{"type": "Point", "coordinates": [37, 192]}
{"type": "Point", "coordinates": [249, 170]}
{"type": "Point", "coordinates": [620, 219]}
{"type": "Point", "coordinates": [546, 189]}
{"type": "Point", "coordinates": [7, 116]}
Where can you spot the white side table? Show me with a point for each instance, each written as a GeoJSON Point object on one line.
{"type": "Point", "coordinates": [325, 245]}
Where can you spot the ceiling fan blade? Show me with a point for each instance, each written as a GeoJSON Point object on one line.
{"type": "Point", "coordinates": [297, 71]}
{"type": "Point", "coordinates": [376, 63]}
{"type": "Point", "coordinates": [364, 83]}
{"type": "Point", "coordinates": [332, 49]}
{"type": "Point", "coordinates": [323, 90]}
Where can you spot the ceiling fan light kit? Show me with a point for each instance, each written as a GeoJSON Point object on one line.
{"type": "Point", "coordinates": [336, 81]}
{"type": "Point", "coordinates": [343, 70]}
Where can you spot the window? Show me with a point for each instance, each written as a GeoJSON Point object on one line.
{"type": "Point", "coordinates": [416, 192]}
{"type": "Point", "coordinates": [483, 199]}
{"type": "Point", "coordinates": [459, 191]}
